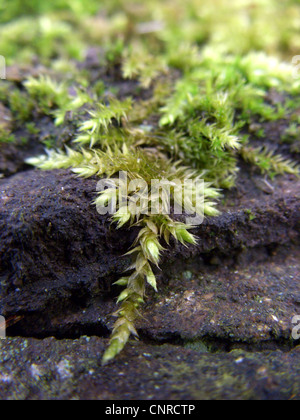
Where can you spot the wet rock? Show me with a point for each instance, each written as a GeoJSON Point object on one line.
{"type": "Point", "coordinates": [71, 369]}
{"type": "Point", "coordinates": [26, 144]}
{"type": "Point", "coordinates": [59, 258]}
{"type": "Point", "coordinates": [229, 307]}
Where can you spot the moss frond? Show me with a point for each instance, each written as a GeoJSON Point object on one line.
{"type": "Point", "coordinates": [268, 162]}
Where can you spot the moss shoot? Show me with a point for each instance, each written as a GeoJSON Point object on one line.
{"type": "Point", "coordinates": [162, 90]}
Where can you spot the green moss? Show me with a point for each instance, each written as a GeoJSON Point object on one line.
{"type": "Point", "coordinates": [6, 137]}
{"type": "Point", "coordinates": [20, 105]}
{"type": "Point", "coordinates": [291, 134]}
{"type": "Point", "coordinates": [169, 101]}
{"type": "Point", "coordinates": [268, 162]}
{"type": "Point", "coordinates": [251, 215]}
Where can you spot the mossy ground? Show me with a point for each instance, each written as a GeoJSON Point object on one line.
{"type": "Point", "coordinates": [196, 90]}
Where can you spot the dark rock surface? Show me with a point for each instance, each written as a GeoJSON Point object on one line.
{"type": "Point", "coordinates": [68, 369]}
{"type": "Point", "coordinates": [231, 298]}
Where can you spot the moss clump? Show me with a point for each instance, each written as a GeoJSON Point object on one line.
{"type": "Point", "coordinates": [6, 137]}
{"type": "Point", "coordinates": [198, 89]}
{"type": "Point", "coordinates": [250, 215]}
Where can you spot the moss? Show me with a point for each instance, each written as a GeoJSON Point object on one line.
{"type": "Point", "coordinates": [250, 214]}
{"type": "Point", "coordinates": [198, 345]}
{"type": "Point", "coordinates": [167, 101]}
{"type": "Point", "coordinates": [20, 105]}
{"type": "Point", "coordinates": [32, 129]}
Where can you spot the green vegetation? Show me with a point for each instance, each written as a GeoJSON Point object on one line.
{"type": "Point", "coordinates": [6, 137]}
{"type": "Point", "coordinates": [198, 78]}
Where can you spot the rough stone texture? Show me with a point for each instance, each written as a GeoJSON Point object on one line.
{"type": "Point", "coordinates": [230, 298]}
{"type": "Point", "coordinates": [59, 258]}
{"type": "Point", "coordinates": [5, 118]}
{"type": "Point", "coordinates": [68, 369]}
